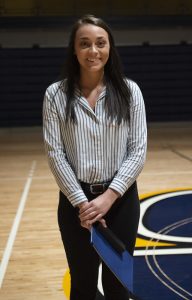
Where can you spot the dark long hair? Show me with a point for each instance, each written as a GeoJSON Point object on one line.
{"type": "Point", "coordinates": [117, 92]}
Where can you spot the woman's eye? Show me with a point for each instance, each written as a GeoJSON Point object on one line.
{"type": "Point", "coordinates": [84, 44]}
{"type": "Point", "coordinates": [101, 44]}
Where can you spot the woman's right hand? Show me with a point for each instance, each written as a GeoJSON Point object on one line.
{"type": "Point", "coordinates": [87, 224]}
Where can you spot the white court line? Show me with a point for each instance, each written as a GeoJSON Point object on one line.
{"type": "Point", "coordinates": [22, 178]}
{"type": "Point", "coordinates": [166, 230]}
{"type": "Point", "coordinates": [15, 226]}
{"type": "Point", "coordinates": [170, 228]}
{"type": "Point", "coordinates": [172, 251]}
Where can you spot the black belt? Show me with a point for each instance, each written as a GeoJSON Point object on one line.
{"type": "Point", "coordinates": [95, 188]}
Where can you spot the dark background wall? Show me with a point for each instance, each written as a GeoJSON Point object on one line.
{"type": "Point", "coordinates": [162, 70]}
{"type": "Point", "coordinates": [164, 74]}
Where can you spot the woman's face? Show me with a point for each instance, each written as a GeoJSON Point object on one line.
{"type": "Point", "coordinates": [92, 48]}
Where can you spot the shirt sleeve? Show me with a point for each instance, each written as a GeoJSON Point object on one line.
{"type": "Point", "coordinates": [55, 151]}
{"type": "Point", "coordinates": [137, 144]}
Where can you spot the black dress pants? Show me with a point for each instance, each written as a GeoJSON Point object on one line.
{"type": "Point", "coordinates": [83, 261]}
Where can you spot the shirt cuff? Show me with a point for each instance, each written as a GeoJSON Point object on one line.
{"type": "Point", "coordinates": [77, 197]}
{"type": "Point", "coordinates": [119, 186]}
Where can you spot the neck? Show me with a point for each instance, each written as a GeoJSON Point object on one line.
{"type": "Point", "coordinates": [91, 80]}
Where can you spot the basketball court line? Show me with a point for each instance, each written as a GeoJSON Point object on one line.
{"type": "Point", "coordinates": [180, 154]}
{"type": "Point", "coordinates": [148, 233]}
{"type": "Point", "coordinates": [166, 230]}
{"type": "Point", "coordinates": [163, 252]}
{"type": "Point", "coordinates": [15, 226]}
{"type": "Point", "coordinates": [170, 228]}
{"type": "Point", "coordinates": [22, 178]}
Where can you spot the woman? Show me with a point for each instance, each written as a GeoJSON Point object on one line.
{"type": "Point", "coordinates": [95, 139]}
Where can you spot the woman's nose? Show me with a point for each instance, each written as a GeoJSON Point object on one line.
{"type": "Point", "coordinates": [93, 49]}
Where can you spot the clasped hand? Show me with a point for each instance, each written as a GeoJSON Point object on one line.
{"type": "Point", "coordinates": [95, 210]}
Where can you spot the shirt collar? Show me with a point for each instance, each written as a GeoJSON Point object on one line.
{"type": "Point", "coordinates": [82, 100]}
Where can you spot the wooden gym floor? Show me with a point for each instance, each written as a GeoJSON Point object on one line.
{"type": "Point", "coordinates": [33, 262]}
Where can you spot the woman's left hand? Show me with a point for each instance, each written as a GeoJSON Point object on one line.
{"type": "Point", "coordinates": [97, 208]}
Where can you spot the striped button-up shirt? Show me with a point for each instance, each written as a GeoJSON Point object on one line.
{"type": "Point", "coordinates": [94, 149]}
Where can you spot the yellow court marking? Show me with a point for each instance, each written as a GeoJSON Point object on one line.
{"type": "Point", "coordinates": [141, 243]}
{"type": "Point", "coordinates": [147, 195]}
{"type": "Point", "coordinates": [67, 283]}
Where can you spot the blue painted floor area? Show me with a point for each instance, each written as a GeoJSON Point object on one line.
{"type": "Point", "coordinates": [168, 211]}
{"type": "Point", "coordinates": [174, 283]}
{"type": "Point", "coordinates": [166, 275]}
